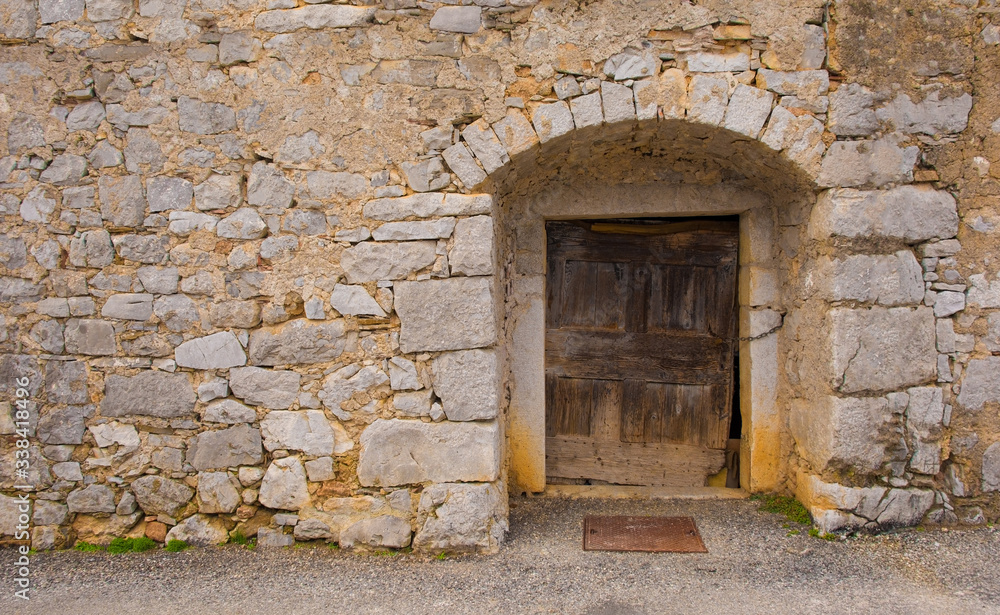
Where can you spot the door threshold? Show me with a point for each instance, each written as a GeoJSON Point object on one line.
{"type": "Point", "coordinates": [625, 492]}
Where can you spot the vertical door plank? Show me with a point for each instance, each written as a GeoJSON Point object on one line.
{"type": "Point", "coordinates": [579, 289]}
{"type": "Point", "coordinates": [611, 293]}
{"type": "Point", "coordinates": [606, 418]}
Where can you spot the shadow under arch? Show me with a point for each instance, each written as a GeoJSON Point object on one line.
{"type": "Point", "coordinates": [651, 169]}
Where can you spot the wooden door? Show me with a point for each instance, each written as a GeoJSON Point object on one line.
{"type": "Point", "coordinates": [639, 341]}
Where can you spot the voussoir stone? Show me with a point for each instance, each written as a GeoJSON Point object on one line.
{"type": "Point", "coordinates": [276, 389]}
{"type": "Point", "coordinates": [402, 452]}
{"type": "Point", "coordinates": [468, 383]}
{"type": "Point", "coordinates": [369, 261]}
{"type": "Point", "coordinates": [225, 448]}
{"type": "Point", "coordinates": [149, 393]}
{"type": "Point", "coordinates": [157, 495]}
{"type": "Point", "coordinates": [217, 351]}
{"type": "Point", "coordinates": [451, 314]}
{"type": "Point", "coordinates": [297, 342]}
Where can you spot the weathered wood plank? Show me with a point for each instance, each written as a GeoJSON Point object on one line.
{"type": "Point", "coordinates": [662, 465]}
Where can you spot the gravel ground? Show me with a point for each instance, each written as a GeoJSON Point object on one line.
{"type": "Point", "coordinates": [753, 566]}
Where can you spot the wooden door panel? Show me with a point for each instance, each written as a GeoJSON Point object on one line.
{"type": "Point", "coordinates": [638, 350]}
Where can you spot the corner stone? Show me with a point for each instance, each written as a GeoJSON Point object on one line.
{"type": "Point", "coordinates": [451, 314]}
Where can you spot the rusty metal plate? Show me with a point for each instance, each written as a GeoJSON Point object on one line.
{"type": "Point", "coordinates": [648, 534]}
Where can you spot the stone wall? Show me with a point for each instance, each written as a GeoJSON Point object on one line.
{"type": "Point", "coordinates": [261, 265]}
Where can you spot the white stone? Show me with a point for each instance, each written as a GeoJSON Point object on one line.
{"type": "Point", "coordinates": [859, 163]}
{"type": "Point", "coordinates": [403, 375]}
{"type": "Point", "coordinates": [400, 452]}
{"type": "Point", "coordinates": [228, 411]}
{"type": "Point", "coordinates": [218, 192]}
{"type": "Point", "coordinates": [468, 383]}
{"type": "Point", "coordinates": [618, 102]}
{"type": "Point", "coordinates": [801, 83]}
{"type": "Point", "coordinates": [339, 386]}
{"type": "Point", "coordinates": [886, 280]}
{"type": "Point", "coordinates": [461, 517]}
{"type": "Point", "coordinates": [931, 116]}
{"type": "Point", "coordinates": [370, 262]}
{"type": "Point", "coordinates": [710, 62]}
{"type": "Point", "coordinates": [382, 531]}
{"type": "Point", "coordinates": [851, 111]}
{"type": "Point", "coordinates": [515, 133]}
{"type": "Point", "coordinates": [275, 389]}
{"type": "Point", "coordinates": [587, 110]}
{"type": "Point", "coordinates": [216, 351]}
{"type": "Point", "coordinates": [354, 301]}
{"type": "Point", "coordinates": [199, 531]}
{"type": "Point", "coordinates": [707, 99]}
{"type": "Point", "coordinates": [217, 492]}
{"type": "Point", "coordinates": [948, 302]}
{"type": "Point", "coordinates": [485, 145]}
{"type": "Point", "coordinates": [631, 64]}
{"type": "Point", "coordinates": [129, 306]}
{"type": "Point", "coordinates": [321, 469]}
{"type": "Point", "coordinates": [748, 110]}
{"type": "Point", "coordinates": [644, 92]}
{"type": "Point", "coordinates": [552, 120]}
{"type": "Point", "coordinates": [428, 205]}
{"type": "Point", "coordinates": [799, 137]}
{"type": "Point", "coordinates": [449, 314]}
{"type": "Point", "coordinates": [464, 19]}
{"type": "Point", "coordinates": [472, 251]}
{"type": "Point", "coordinates": [911, 213]}
{"type": "Point", "coordinates": [297, 342]}
{"type": "Point", "coordinates": [307, 431]}
{"type": "Point", "coordinates": [409, 231]}
{"type": "Point", "coordinates": [107, 434]}
{"type": "Point", "coordinates": [184, 223]}
{"type": "Point", "coordinates": [284, 485]}
{"type": "Point", "coordinates": [980, 384]}
{"type": "Point", "coordinates": [245, 223]}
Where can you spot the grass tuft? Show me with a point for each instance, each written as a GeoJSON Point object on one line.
{"type": "Point", "coordinates": [793, 510]}
{"type": "Point", "coordinates": [87, 547]}
{"type": "Point", "coordinates": [176, 546]}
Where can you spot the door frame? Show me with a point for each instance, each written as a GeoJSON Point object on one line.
{"type": "Point", "coordinates": [758, 291]}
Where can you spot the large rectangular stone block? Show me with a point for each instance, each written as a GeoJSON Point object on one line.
{"type": "Point", "coordinates": [400, 452]}
{"type": "Point", "coordinates": [149, 393]}
{"type": "Point", "coordinates": [911, 213]}
{"type": "Point", "coordinates": [895, 279]}
{"type": "Point", "coordinates": [834, 433]}
{"type": "Point", "coordinates": [452, 314]}
{"type": "Point", "coordinates": [881, 349]}
{"type": "Point", "coordinates": [297, 342]}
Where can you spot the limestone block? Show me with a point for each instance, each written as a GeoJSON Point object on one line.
{"type": "Point", "coordinates": [485, 145]}
{"type": "Point", "coordinates": [339, 386]}
{"type": "Point", "coordinates": [450, 314]}
{"type": "Point", "coordinates": [748, 110]}
{"type": "Point", "coordinates": [924, 421]}
{"type": "Point", "coordinates": [472, 252]}
{"type": "Point", "coordinates": [881, 349]}
{"type": "Point", "coordinates": [566, 87]}
{"type": "Point", "coordinates": [217, 492]}
{"type": "Point", "coordinates": [550, 121]}
{"type": "Point", "coordinates": [37, 207]}
{"type": "Point", "coordinates": [369, 262]}
{"type": "Point", "coordinates": [410, 231]}
{"type": "Point", "coordinates": [931, 116]}
{"type": "Point", "coordinates": [981, 383]}
{"type": "Point", "coordinates": [66, 382]}
{"type": "Point", "coordinates": [159, 280]}
{"type": "Point", "coordinates": [91, 499]}
{"type": "Point", "coordinates": [403, 375]}
{"type": "Point", "coordinates": [464, 19]}
{"type": "Point", "coordinates": [225, 448]}
{"type": "Point", "coordinates": [991, 468]}
{"type": "Point", "coordinates": [123, 119]}
{"type": "Point", "coordinates": [355, 301]}
{"type": "Point", "coordinates": [707, 99]}
{"type": "Point", "coordinates": [462, 163]}
{"type": "Point", "coordinates": [428, 205]}
{"type": "Point", "coordinates": [426, 175]}
{"type": "Point", "coordinates": [284, 485]}
{"type": "Point", "coordinates": [228, 411]}
{"type": "Point", "coordinates": [109, 10]}
{"type": "Point", "coordinates": [315, 17]}
{"type": "Point", "coordinates": [218, 192]}
{"type": "Point", "coordinates": [835, 433]}
{"type": "Point", "coordinates": [104, 156]}
{"type": "Point", "coordinates": [122, 200]}
{"type": "Point", "coordinates": [461, 517]}
{"type": "Point", "coordinates": [672, 93]}
{"type": "Point", "coordinates": [91, 249]}
{"type": "Point", "coordinates": [13, 253]}
{"type": "Point", "coordinates": [468, 383]}
{"type": "Point", "coordinates": [149, 393]}
{"type": "Point", "coordinates": [64, 425]}
{"type": "Point", "coordinates": [245, 223]}
{"type": "Point", "coordinates": [204, 118]}
{"type": "Point", "coordinates": [948, 302]}
{"type": "Point", "coordinates": [216, 351]}
{"type": "Point", "coordinates": [107, 434]}
{"type": "Point", "coordinates": [65, 170]}
{"type": "Point", "coordinates": [67, 470]}
{"type": "Point", "coordinates": [297, 342]}
{"type": "Point", "coordinates": [321, 469]}
{"type": "Point", "coordinates": [275, 389]}
{"type": "Point", "coordinates": [166, 193]}
{"type": "Point", "coordinates": [799, 137]}
{"type": "Point", "coordinates": [886, 280]}
{"type": "Point", "coordinates": [618, 102]}
{"type": "Point", "coordinates": [401, 452]}
{"type": "Point", "coordinates": [129, 306]}
{"type": "Point", "coordinates": [183, 223]}
{"type": "Point", "coordinates": [327, 185]}
{"type": "Point", "coordinates": [801, 83]}
{"type": "Point", "coordinates": [858, 506]}
{"type": "Point", "coordinates": [644, 92]}
{"type": "Point", "coordinates": [200, 531]}
{"type": "Point", "coordinates": [268, 187]}
{"type": "Point", "coordinates": [150, 249]}
{"type": "Point", "coordinates": [90, 337]}
{"type": "Point", "coordinates": [10, 512]}
{"type": "Point", "coordinates": [307, 431]}
{"type": "Point", "coordinates": [868, 163]}
{"type": "Point", "coordinates": [631, 64]}
{"type": "Point", "coordinates": [157, 495]}
{"type": "Point", "coordinates": [413, 403]}
{"type": "Point", "coordinates": [178, 312]}
{"type": "Point", "coordinates": [382, 531]}
{"type": "Point", "coordinates": [712, 62]}
{"type": "Point", "coordinates": [587, 110]}
{"type": "Point", "coordinates": [49, 513]}
{"type": "Point", "coordinates": [851, 111]}
{"type": "Point", "coordinates": [516, 133]}
{"type": "Point", "coordinates": [911, 213]}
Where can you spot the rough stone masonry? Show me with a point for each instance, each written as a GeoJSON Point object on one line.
{"type": "Point", "coordinates": [258, 258]}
